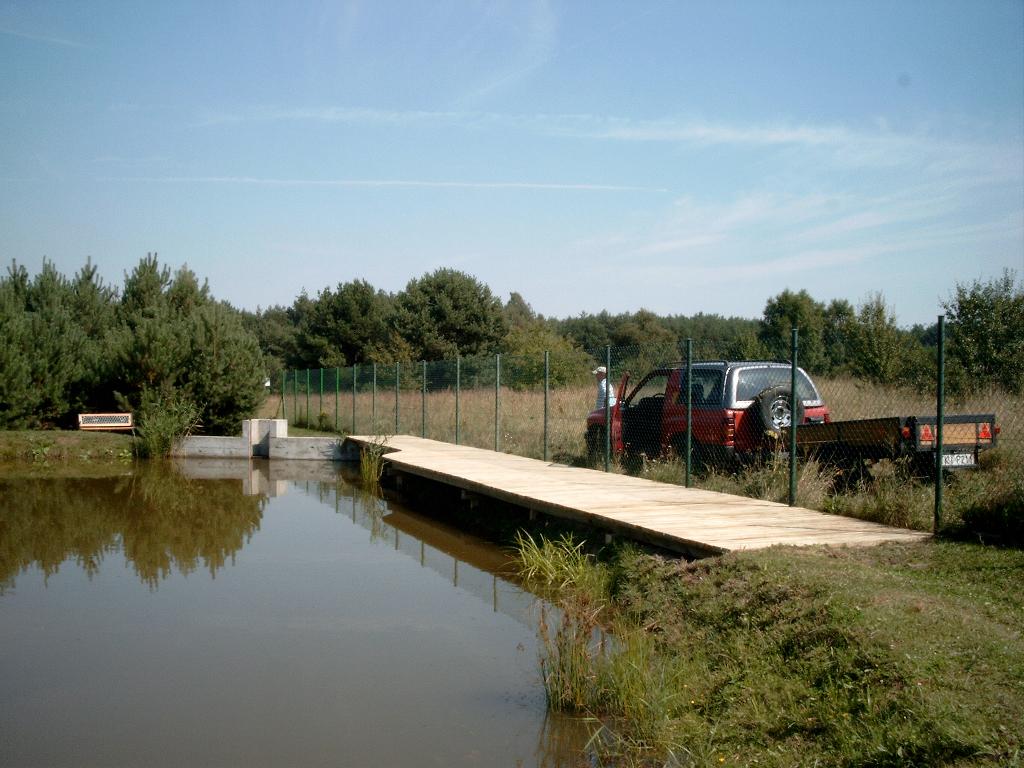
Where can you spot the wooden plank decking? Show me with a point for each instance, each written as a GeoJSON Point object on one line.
{"type": "Point", "coordinates": [683, 519]}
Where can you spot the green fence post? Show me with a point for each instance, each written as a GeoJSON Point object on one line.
{"type": "Point", "coordinates": [547, 386]}
{"type": "Point", "coordinates": [284, 395]}
{"type": "Point", "coordinates": [295, 396]}
{"type": "Point", "coordinates": [792, 419]}
{"type": "Point", "coordinates": [321, 398]}
{"type": "Point", "coordinates": [337, 398]}
{"type": "Point", "coordinates": [689, 412]}
{"type": "Point", "coordinates": [497, 402]}
{"type": "Point", "coordinates": [423, 401]}
{"type": "Point", "coordinates": [458, 387]}
{"type": "Point", "coordinates": [355, 384]}
{"type": "Point", "coordinates": [373, 403]}
{"type": "Point", "coordinates": [398, 374]}
{"type": "Point", "coordinates": [608, 389]}
{"type": "Point", "coordinates": [940, 408]}
{"type": "Point", "coordinates": [307, 397]}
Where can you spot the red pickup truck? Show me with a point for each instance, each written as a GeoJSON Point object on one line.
{"type": "Point", "coordinates": [739, 408]}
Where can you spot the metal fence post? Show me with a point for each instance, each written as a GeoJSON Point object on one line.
{"type": "Point", "coordinates": [458, 387]}
{"type": "Point", "coordinates": [607, 408]}
{"type": "Point", "coordinates": [398, 374]}
{"type": "Point", "coordinates": [337, 400]}
{"type": "Point", "coordinates": [940, 408]}
{"type": "Point", "coordinates": [321, 407]}
{"type": "Point", "coordinates": [423, 402]}
{"type": "Point", "coordinates": [295, 396]}
{"type": "Point", "coordinates": [689, 411]}
{"type": "Point", "coordinates": [373, 403]}
{"type": "Point", "coordinates": [355, 385]}
{"type": "Point", "coordinates": [792, 419]}
{"type": "Point", "coordinates": [307, 397]}
{"type": "Point", "coordinates": [284, 395]}
{"type": "Point", "coordinates": [547, 386]}
{"type": "Point", "coordinates": [497, 402]}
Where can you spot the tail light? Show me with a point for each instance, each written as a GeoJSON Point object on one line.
{"type": "Point", "coordinates": [730, 428]}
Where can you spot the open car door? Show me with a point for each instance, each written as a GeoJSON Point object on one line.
{"type": "Point", "coordinates": [616, 413]}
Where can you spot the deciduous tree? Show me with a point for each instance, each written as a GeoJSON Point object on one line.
{"type": "Point", "coordinates": [987, 331]}
{"type": "Point", "coordinates": [448, 313]}
{"type": "Point", "coordinates": [791, 310]}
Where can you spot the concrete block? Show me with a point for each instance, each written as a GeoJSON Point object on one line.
{"type": "Point", "coordinates": [198, 446]}
{"type": "Point", "coordinates": [257, 433]}
{"type": "Point", "coordinates": [307, 448]}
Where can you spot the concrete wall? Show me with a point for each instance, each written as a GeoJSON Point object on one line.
{"type": "Point", "coordinates": [267, 438]}
{"type": "Point", "coordinates": [307, 448]}
{"type": "Point", "coordinates": [199, 446]}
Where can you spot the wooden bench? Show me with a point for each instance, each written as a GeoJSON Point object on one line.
{"type": "Point", "coordinates": [106, 421]}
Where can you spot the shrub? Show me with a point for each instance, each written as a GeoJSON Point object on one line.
{"type": "Point", "coordinates": [164, 418]}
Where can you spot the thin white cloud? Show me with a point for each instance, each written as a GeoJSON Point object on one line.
{"type": "Point", "coordinates": [381, 183]}
{"type": "Point", "coordinates": [763, 234]}
{"type": "Point", "coordinates": [328, 114]}
{"type": "Point", "coordinates": [42, 38]}
{"type": "Point", "coordinates": [734, 271]}
{"type": "Point", "coordinates": [703, 133]}
{"type": "Point", "coordinates": [678, 245]}
{"type": "Point", "coordinates": [536, 49]}
{"type": "Point", "coordinates": [839, 145]}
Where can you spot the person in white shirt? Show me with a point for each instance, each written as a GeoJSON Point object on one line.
{"type": "Point", "coordinates": [601, 374]}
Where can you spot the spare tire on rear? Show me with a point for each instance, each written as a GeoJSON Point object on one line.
{"type": "Point", "coordinates": [774, 408]}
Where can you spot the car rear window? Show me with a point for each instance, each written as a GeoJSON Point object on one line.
{"type": "Point", "coordinates": [707, 388]}
{"type": "Point", "coordinates": [750, 382]}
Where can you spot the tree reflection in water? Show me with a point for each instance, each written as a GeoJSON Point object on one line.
{"type": "Point", "coordinates": [160, 519]}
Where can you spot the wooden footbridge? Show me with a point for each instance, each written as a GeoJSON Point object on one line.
{"type": "Point", "coordinates": [686, 520]}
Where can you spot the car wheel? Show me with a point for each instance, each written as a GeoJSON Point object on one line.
{"type": "Point", "coordinates": [595, 443]}
{"type": "Point", "coordinates": [773, 406]}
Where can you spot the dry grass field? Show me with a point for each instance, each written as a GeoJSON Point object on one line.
{"type": "Point", "coordinates": [520, 413]}
{"type": "Point", "coordinates": [513, 421]}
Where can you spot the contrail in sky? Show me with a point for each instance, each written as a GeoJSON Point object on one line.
{"type": "Point", "coordinates": [382, 183]}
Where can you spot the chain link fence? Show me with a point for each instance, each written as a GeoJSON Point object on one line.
{"type": "Point", "coordinates": [684, 413]}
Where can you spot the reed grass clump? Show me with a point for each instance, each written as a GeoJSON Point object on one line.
{"type": "Point", "coordinates": [596, 664]}
{"type": "Point", "coordinates": [164, 419]}
{"type": "Point", "coordinates": [557, 564]}
{"type": "Point", "coordinates": [371, 461]}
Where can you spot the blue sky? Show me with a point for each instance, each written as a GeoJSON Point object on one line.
{"type": "Point", "coordinates": [684, 157]}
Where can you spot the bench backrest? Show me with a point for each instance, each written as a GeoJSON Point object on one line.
{"type": "Point", "coordinates": [112, 421]}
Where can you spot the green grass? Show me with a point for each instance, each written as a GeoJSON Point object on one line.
{"type": "Point", "coordinates": [66, 447]}
{"type": "Point", "coordinates": [891, 655]}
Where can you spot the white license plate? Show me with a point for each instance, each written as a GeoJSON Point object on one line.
{"type": "Point", "coordinates": [958, 459]}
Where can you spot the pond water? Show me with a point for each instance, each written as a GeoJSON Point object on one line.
{"type": "Point", "coordinates": [164, 617]}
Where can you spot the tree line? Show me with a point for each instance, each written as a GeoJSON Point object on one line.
{"type": "Point", "coordinates": [69, 345]}
{"type": "Point", "coordinates": [447, 313]}
{"type": "Point", "coordinates": [72, 344]}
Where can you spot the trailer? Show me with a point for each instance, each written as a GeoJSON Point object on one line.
{"type": "Point", "coordinates": [911, 438]}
